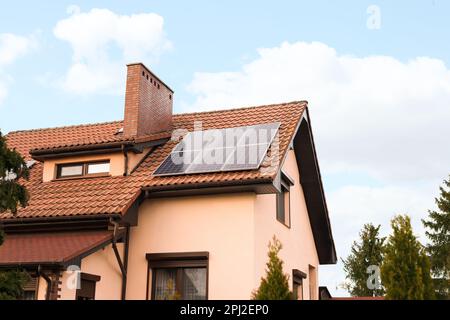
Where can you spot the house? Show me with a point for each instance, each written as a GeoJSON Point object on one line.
{"type": "Point", "coordinates": [112, 216]}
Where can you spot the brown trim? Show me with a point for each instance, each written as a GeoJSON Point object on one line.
{"type": "Point", "coordinates": [70, 152]}
{"type": "Point", "coordinates": [92, 280]}
{"type": "Point", "coordinates": [311, 182]}
{"type": "Point", "coordinates": [125, 262]}
{"type": "Point", "coordinates": [84, 169]}
{"type": "Point", "coordinates": [297, 274]}
{"type": "Point", "coordinates": [90, 277]}
{"type": "Point", "coordinates": [285, 178]}
{"type": "Point", "coordinates": [297, 280]}
{"type": "Point", "coordinates": [258, 186]}
{"type": "Point", "coordinates": [280, 202]}
{"type": "Point", "coordinates": [147, 284]}
{"type": "Point", "coordinates": [90, 176]}
{"type": "Point", "coordinates": [56, 226]}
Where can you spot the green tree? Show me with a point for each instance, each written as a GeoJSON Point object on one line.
{"type": "Point", "coordinates": [12, 168]}
{"type": "Point", "coordinates": [367, 252]}
{"type": "Point", "coordinates": [275, 285]}
{"type": "Point", "coordinates": [12, 194]}
{"type": "Point", "coordinates": [405, 272]}
{"type": "Point", "coordinates": [438, 225]}
{"type": "Point", "coordinates": [11, 284]}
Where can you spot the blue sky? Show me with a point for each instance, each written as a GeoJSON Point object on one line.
{"type": "Point", "coordinates": [210, 36]}
{"type": "Point", "coordinates": [374, 93]}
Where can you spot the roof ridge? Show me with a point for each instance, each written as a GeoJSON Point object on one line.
{"type": "Point", "coordinates": [304, 102]}
{"type": "Point", "coordinates": [65, 127]}
{"type": "Point", "coordinates": [176, 114]}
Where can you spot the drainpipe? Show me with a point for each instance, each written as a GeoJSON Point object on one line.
{"type": "Point", "coordinates": [123, 268]}
{"type": "Point", "coordinates": [125, 154]}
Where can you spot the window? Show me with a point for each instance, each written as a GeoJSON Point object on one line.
{"type": "Point", "coordinates": [297, 286]}
{"type": "Point", "coordinates": [87, 287]}
{"type": "Point", "coordinates": [284, 201]}
{"type": "Point", "coordinates": [179, 276]}
{"type": "Point", "coordinates": [72, 170]}
{"type": "Point", "coordinates": [29, 289]}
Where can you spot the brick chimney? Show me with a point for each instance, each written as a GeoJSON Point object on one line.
{"type": "Point", "coordinates": [148, 103]}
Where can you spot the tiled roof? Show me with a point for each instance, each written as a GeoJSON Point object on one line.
{"type": "Point", "coordinates": [114, 195]}
{"type": "Point", "coordinates": [56, 248]}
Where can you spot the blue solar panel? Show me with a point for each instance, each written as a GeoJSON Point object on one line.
{"type": "Point", "coordinates": [240, 148]}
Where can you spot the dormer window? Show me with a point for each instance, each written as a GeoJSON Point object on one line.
{"type": "Point", "coordinates": [82, 169]}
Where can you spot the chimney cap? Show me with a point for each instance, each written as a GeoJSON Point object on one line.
{"type": "Point", "coordinates": [153, 75]}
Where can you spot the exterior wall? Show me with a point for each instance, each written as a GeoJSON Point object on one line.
{"type": "Point", "coordinates": [299, 249]}
{"type": "Point", "coordinates": [219, 224]}
{"type": "Point", "coordinates": [102, 263]}
{"type": "Point", "coordinates": [234, 228]}
{"type": "Point", "coordinates": [134, 158]}
{"type": "Point", "coordinates": [42, 289]}
{"type": "Point", "coordinates": [116, 164]}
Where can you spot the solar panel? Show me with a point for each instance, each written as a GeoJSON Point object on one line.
{"type": "Point", "coordinates": [230, 149]}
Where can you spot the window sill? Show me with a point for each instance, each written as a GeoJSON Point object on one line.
{"type": "Point", "coordinates": [91, 176]}
{"type": "Point", "coordinates": [284, 224]}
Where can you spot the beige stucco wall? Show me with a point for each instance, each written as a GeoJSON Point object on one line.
{"type": "Point", "coordinates": [299, 249]}
{"type": "Point", "coordinates": [234, 228]}
{"type": "Point", "coordinates": [41, 289]}
{"type": "Point", "coordinates": [219, 224]}
{"type": "Point", "coordinates": [102, 263]}
{"type": "Point", "coordinates": [134, 158]}
{"type": "Point", "coordinates": [116, 164]}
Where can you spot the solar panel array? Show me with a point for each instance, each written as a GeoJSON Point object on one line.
{"type": "Point", "coordinates": [230, 149]}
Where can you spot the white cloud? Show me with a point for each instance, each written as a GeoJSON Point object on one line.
{"type": "Point", "coordinates": [103, 42]}
{"type": "Point", "coordinates": [374, 114]}
{"type": "Point", "coordinates": [12, 47]}
{"type": "Point", "coordinates": [375, 117]}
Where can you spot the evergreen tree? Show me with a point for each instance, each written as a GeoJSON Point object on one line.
{"type": "Point", "coordinates": [405, 271]}
{"type": "Point", "coordinates": [367, 252]}
{"type": "Point", "coordinates": [11, 284]}
{"type": "Point", "coordinates": [12, 194]}
{"type": "Point", "coordinates": [438, 233]}
{"type": "Point", "coordinates": [275, 285]}
{"type": "Point", "coordinates": [12, 168]}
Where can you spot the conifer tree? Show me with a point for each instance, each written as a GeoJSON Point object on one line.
{"type": "Point", "coordinates": [275, 285]}
{"type": "Point", "coordinates": [12, 168]}
{"type": "Point", "coordinates": [405, 272]}
{"type": "Point", "coordinates": [365, 253]}
{"type": "Point", "coordinates": [12, 194]}
{"type": "Point", "coordinates": [438, 225]}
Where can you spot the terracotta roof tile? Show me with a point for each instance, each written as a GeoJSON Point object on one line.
{"type": "Point", "coordinates": [57, 248]}
{"type": "Point", "coordinates": [114, 195]}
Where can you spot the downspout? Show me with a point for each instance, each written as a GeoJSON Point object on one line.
{"type": "Point", "coordinates": [125, 154]}
{"type": "Point", "coordinates": [123, 268]}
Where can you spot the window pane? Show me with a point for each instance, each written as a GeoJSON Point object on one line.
{"type": "Point", "coordinates": [287, 218]}
{"type": "Point", "coordinates": [101, 167]}
{"type": "Point", "coordinates": [71, 170]}
{"type": "Point", "coordinates": [280, 207]}
{"type": "Point", "coordinates": [29, 295]}
{"type": "Point", "coordinates": [194, 284]}
{"type": "Point", "coordinates": [298, 291]}
{"type": "Point", "coordinates": [165, 282]}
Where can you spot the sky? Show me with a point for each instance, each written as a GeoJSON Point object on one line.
{"type": "Point", "coordinates": [376, 75]}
